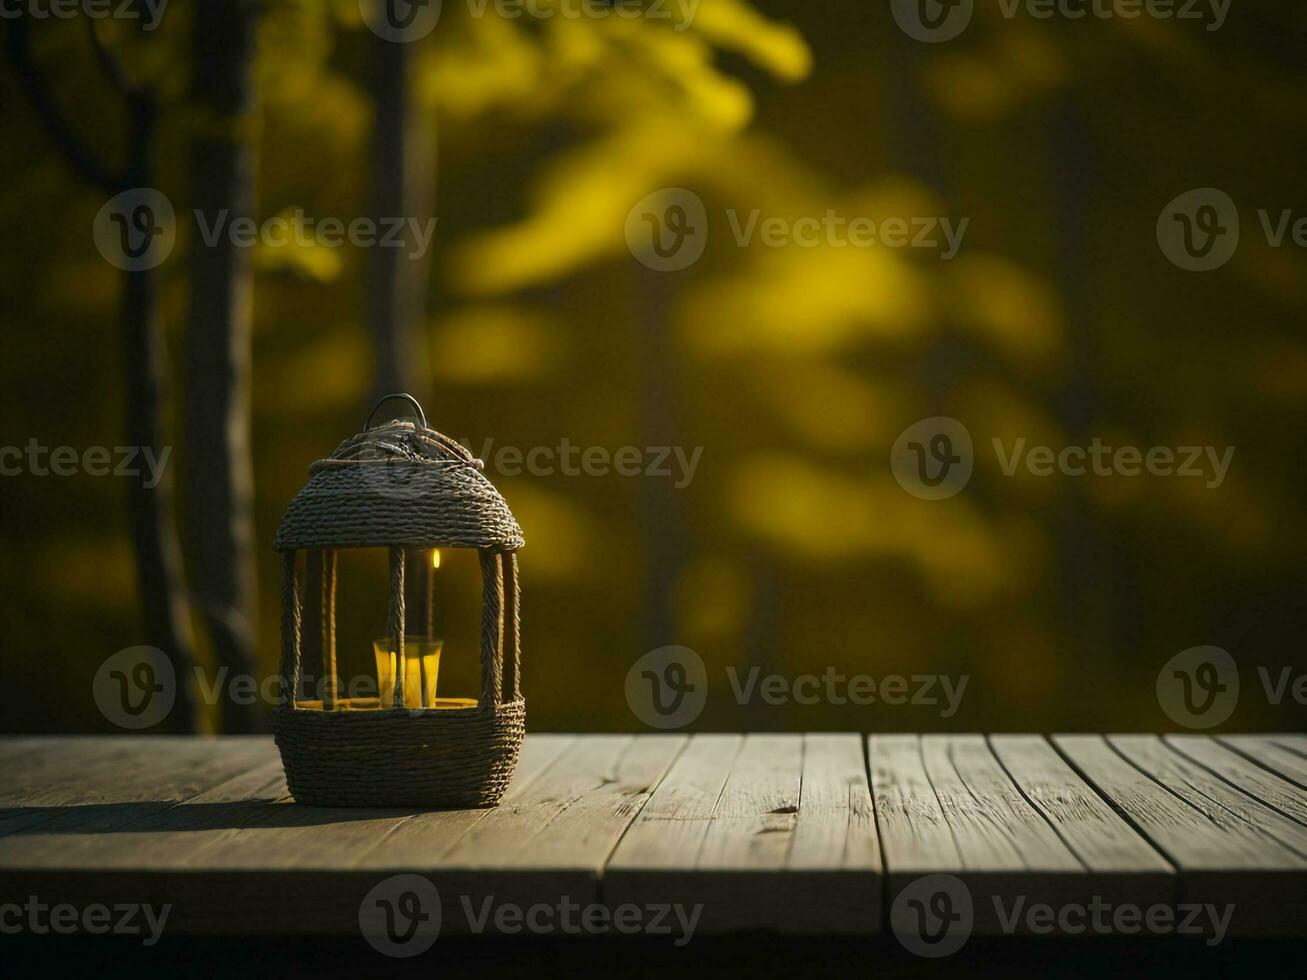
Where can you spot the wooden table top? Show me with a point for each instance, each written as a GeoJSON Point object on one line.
{"type": "Point", "coordinates": [803, 833]}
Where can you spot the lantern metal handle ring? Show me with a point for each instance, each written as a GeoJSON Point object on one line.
{"type": "Point", "coordinates": [422, 418]}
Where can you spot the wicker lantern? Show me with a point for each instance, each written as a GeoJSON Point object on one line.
{"type": "Point", "coordinates": [403, 486]}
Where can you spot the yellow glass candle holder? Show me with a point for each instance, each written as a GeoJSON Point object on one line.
{"type": "Point", "coordinates": [421, 663]}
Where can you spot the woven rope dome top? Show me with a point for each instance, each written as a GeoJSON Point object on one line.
{"type": "Point", "coordinates": [399, 483]}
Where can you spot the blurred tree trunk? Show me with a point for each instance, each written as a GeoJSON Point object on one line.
{"type": "Point", "coordinates": [403, 169]}
{"type": "Point", "coordinates": [662, 521]}
{"type": "Point", "coordinates": [219, 478]}
{"type": "Point", "coordinates": [165, 610]}
{"type": "Point", "coordinates": [165, 605]}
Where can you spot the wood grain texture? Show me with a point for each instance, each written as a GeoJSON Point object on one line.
{"type": "Point", "coordinates": [1221, 861]}
{"type": "Point", "coordinates": [1217, 799]}
{"type": "Point", "coordinates": [763, 831]}
{"type": "Point", "coordinates": [1291, 741]}
{"type": "Point", "coordinates": [1009, 854]}
{"type": "Point", "coordinates": [1105, 844]}
{"type": "Point", "coordinates": [1238, 771]}
{"type": "Point", "coordinates": [773, 832]}
{"type": "Point", "coordinates": [1270, 754]}
{"type": "Point", "coordinates": [243, 858]}
{"type": "Point", "coordinates": [914, 833]}
{"type": "Point", "coordinates": [95, 785]}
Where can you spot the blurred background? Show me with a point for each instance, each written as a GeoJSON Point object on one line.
{"type": "Point", "coordinates": [530, 323]}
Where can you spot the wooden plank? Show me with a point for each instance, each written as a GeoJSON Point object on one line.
{"type": "Point", "coordinates": [1294, 742]}
{"type": "Point", "coordinates": [753, 824]}
{"type": "Point", "coordinates": [914, 833]}
{"type": "Point", "coordinates": [17, 749]}
{"type": "Point", "coordinates": [764, 831]}
{"type": "Point", "coordinates": [669, 832]}
{"type": "Point", "coordinates": [1217, 799]}
{"type": "Point", "coordinates": [1122, 862]}
{"type": "Point", "coordinates": [656, 860]}
{"type": "Point", "coordinates": [99, 784]}
{"type": "Point", "coordinates": [1011, 857]}
{"type": "Point", "coordinates": [767, 831]}
{"type": "Point", "coordinates": [1275, 792]}
{"type": "Point", "coordinates": [243, 859]}
{"type": "Point", "coordinates": [551, 844]}
{"type": "Point", "coordinates": [1267, 754]}
{"type": "Point", "coordinates": [991, 821]}
{"type": "Point", "coordinates": [1219, 862]}
{"type": "Point", "coordinates": [159, 836]}
{"type": "Point", "coordinates": [836, 827]}
{"type": "Point", "coordinates": [425, 838]}
{"type": "Point", "coordinates": [285, 836]}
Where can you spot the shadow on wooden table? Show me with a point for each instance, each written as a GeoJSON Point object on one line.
{"type": "Point", "coordinates": [743, 955]}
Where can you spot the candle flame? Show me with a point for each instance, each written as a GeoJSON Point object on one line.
{"type": "Point", "coordinates": [435, 557]}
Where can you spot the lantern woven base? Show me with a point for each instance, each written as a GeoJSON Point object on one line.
{"type": "Point", "coordinates": [436, 758]}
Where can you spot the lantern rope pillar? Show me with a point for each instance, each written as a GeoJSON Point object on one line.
{"type": "Point", "coordinates": [397, 620]}
{"type": "Point", "coordinates": [492, 627]}
{"type": "Point", "coordinates": [290, 627]}
{"type": "Point", "coordinates": [512, 630]}
{"type": "Point", "coordinates": [329, 682]}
